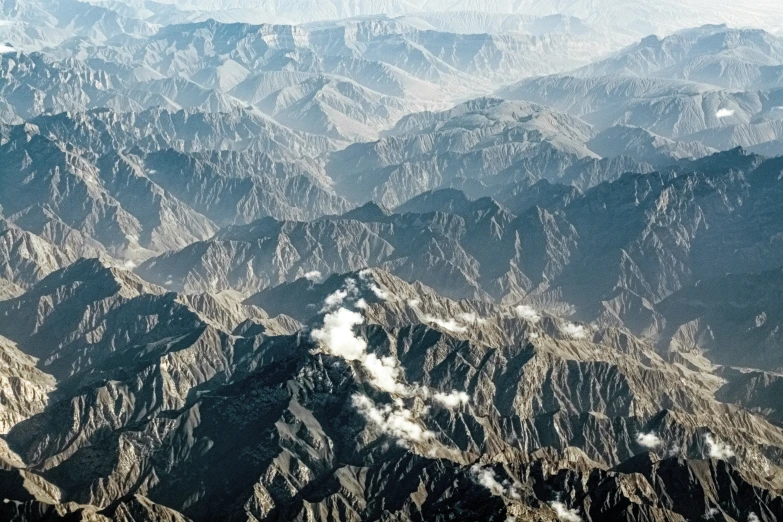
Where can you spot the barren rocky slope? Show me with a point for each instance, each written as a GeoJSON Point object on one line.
{"type": "Point", "coordinates": [450, 400]}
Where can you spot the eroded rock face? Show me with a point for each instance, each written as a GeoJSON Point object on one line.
{"type": "Point", "coordinates": [445, 407]}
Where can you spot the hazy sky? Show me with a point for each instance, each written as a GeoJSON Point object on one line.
{"type": "Point", "coordinates": [637, 15]}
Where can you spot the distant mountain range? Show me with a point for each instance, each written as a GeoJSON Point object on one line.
{"type": "Point", "coordinates": [643, 17]}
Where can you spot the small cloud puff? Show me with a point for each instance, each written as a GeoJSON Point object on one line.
{"type": "Point", "coordinates": [574, 331]}
{"type": "Point", "coordinates": [487, 478]}
{"type": "Point", "coordinates": [384, 373]}
{"type": "Point", "coordinates": [565, 514]}
{"type": "Point", "coordinates": [724, 113]}
{"type": "Point", "coordinates": [648, 440]}
{"type": "Point", "coordinates": [314, 275]}
{"type": "Point", "coordinates": [379, 292]}
{"type": "Point", "coordinates": [337, 337]}
{"type": "Point", "coordinates": [717, 449]}
{"type": "Point", "coordinates": [395, 420]}
{"type": "Point", "coordinates": [447, 324]}
{"type": "Point", "coordinates": [337, 297]}
{"type": "Point", "coordinates": [528, 313]}
{"type": "Point", "coordinates": [129, 265]}
{"type": "Point", "coordinates": [453, 399]}
{"type": "Point", "coordinates": [414, 303]}
{"type": "Point", "coordinates": [471, 317]}
{"type": "Point", "coordinates": [753, 518]}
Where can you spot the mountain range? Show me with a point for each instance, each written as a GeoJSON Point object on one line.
{"type": "Point", "coordinates": [391, 261]}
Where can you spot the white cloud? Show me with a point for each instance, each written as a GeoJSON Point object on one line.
{"type": "Point", "coordinates": [724, 113]}
{"type": "Point", "coordinates": [532, 335]}
{"type": "Point", "coordinates": [453, 399]}
{"type": "Point", "coordinates": [717, 449]}
{"type": "Point", "coordinates": [337, 297]}
{"type": "Point", "coordinates": [384, 373]}
{"type": "Point", "coordinates": [6, 49]}
{"type": "Point", "coordinates": [313, 275]}
{"type": "Point", "coordinates": [712, 512]}
{"type": "Point", "coordinates": [486, 477]}
{"type": "Point", "coordinates": [337, 337]}
{"type": "Point", "coordinates": [528, 313]}
{"type": "Point", "coordinates": [648, 440]}
{"type": "Point", "coordinates": [575, 331]}
{"type": "Point", "coordinates": [753, 518]}
{"type": "Point", "coordinates": [414, 303]}
{"type": "Point", "coordinates": [471, 317]}
{"type": "Point", "coordinates": [447, 324]}
{"type": "Point", "coordinates": [396, 420]}
{"type": "Point", "coordinates": [129, 265]}
{"type": "Point", "coordinates": [361, 304]}
{"type": "Point", "coordinates": [379, 292]}
{"type": "Point", "coordinates": [565, 514]}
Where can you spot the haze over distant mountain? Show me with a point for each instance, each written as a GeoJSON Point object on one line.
{"type": "Point", "coordinates": [644, 17]}
{"type": "Point", "coordinates": [388, 261]}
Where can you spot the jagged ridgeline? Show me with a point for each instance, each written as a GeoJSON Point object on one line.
{"type": "Point", "coordinates": [391, 261]}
